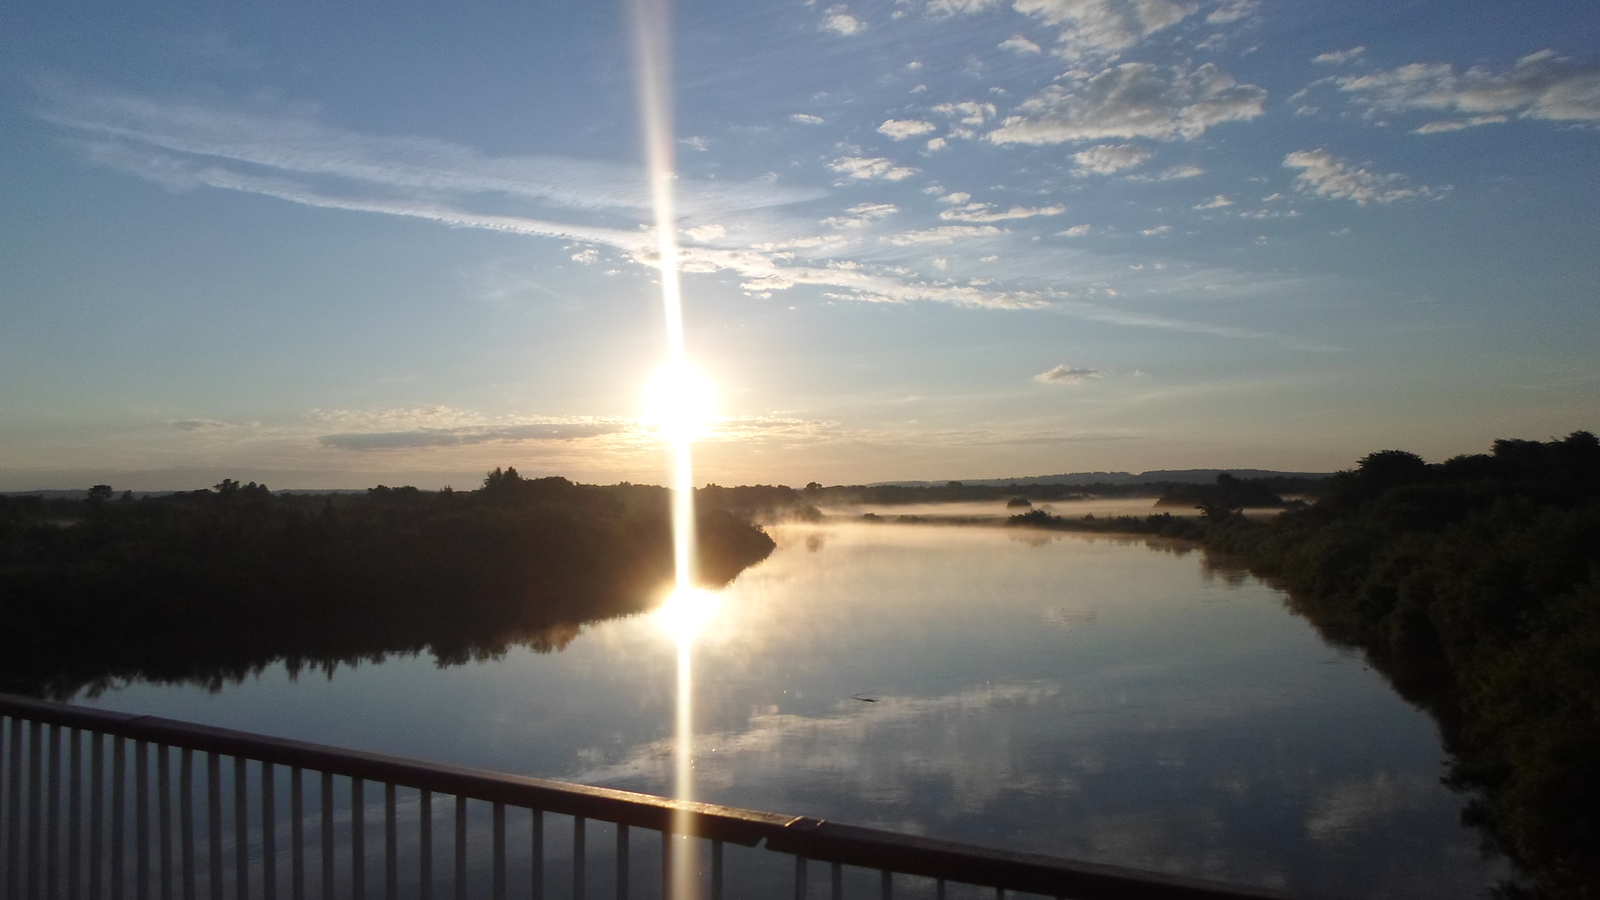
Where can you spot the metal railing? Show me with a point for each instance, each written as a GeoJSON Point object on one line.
{"type": "Point", "coordinates": [244, 816]}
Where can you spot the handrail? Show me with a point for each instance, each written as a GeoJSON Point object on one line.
{"type": "Point", "coordinates": [810, 838]}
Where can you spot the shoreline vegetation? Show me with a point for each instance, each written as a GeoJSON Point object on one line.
{"type": "Point", "coordinates": [1474, 586]}
{"type": "Point", "coordinates": [210, 586]}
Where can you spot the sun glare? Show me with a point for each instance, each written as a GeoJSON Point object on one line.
{"type": "Point", "coordinates": [679, 402]}
{"type": "Point", "coordinates": [686, 611]}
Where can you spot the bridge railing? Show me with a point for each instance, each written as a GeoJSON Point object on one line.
{"type": "Point", "coordinates": [101, 804]}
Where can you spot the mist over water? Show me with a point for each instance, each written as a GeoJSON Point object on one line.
{"type": "Point", "coordinates": [1101, 698]}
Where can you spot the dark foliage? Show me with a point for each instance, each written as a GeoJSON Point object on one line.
{"type": "Point", "coordinates": [208, 586]}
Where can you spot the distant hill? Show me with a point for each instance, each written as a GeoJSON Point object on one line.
{"type": "Point", "coordinates": [1155, 476]}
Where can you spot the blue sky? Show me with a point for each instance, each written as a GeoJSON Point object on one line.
{"type": "Point", "coordinates": [335, 246]}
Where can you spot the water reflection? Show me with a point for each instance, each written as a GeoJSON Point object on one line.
{"type": "Point", "coordinates": [1099, 697]}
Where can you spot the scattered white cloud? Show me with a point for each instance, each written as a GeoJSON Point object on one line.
{"type": "Point", "coordinates": [586, 257]}
{"type": "Point", "coordinates": [1460, 124]}
{"type": "Point", "coordinates": [985, 212]}
{"type": "Point", "coordinates": [861, 215]}
{"type": "Point", "coordinates": [839, 21]}
{"type": "Point", "coordinates": [1542, 85]}
{"type": "Point", "coordinates": [806, 119]}
{"type": "Point", "coordinates": [704, 233]}
{"type": "Point", "coordinates": [956, 197]}
{"type": "Point", "coordinates": [1232, 11]}
{"type": "Point", "coordinates": [1156, 231]}
{"type": "Point", "coordinates": [1108, 159]}
{"type": "Point", "coordinates": [1065, 374]}
{"type": "Point", "coordinates": [946, 234]}
{"type": "Point", "coordinates": [1020, 44]}
{"type": "Point", "coordinates": [1131, 100]}
{"type": "Point", "coordinates": [1176, 173]}
{"type": "Point", "coordinates": [1075, 231]}
{"type": "Point", "coordinates": [937, 143]}
{"type": "Point", "coordinates": [1216, 202]}
{"type": "Point", "coordinates": [1324, 176]}
{"type": "Point", "coordinates": [900, 129]}
{"type": "Point", "coordinates": [1338, 57]}
{"type": "Point", "coordinates": [696, 142]}
{"type": "Point", "coordinates": [967, 112]}
{"type": "Point", "coordinates": [1102, 29]}
{"type": "Point", "coordinates": [869, 168]}
{"type": "Point", "coordinates": [944, 8]}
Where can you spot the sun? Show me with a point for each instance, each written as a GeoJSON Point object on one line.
{"type": "Point", "coordinates": [680, 403]}
{"type": "Point", "coordinates": [686, 611]}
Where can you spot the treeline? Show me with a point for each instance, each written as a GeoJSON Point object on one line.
{"type": "Point", "coordinates": [1475, 585]}
{"type": "Point", "coordinates": [210, 585]}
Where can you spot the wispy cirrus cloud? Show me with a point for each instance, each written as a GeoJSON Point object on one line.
{"type": "Point", "coordinates": [1131, 100]}
{"type": "Point", "coordinates": [1542, 85]}
{"type": "Point", "coordinates": [1324, 175]}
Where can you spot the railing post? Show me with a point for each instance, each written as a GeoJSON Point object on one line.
{"type": "Point", "coordinates": [97, 786]}
{"type": "Point", "coordinates": [425, 845]}
{"type": "Point", "coordinates": [622, 862]}
{"type": "Point", "coordinates": [297, 835]}
{"type": "Point", "coordinates": [838, 881]}
{"type": "Point", "coordinates": [461, 848]}
{"type": "Point", "coordinates": [269, 832]}
{"type": "Point", "coordinates": [716, 870]}
{"type": "Point", "coordinates": [358, 839]}
{"type": "Point", "coordinates": [52, 838]}
{"type": "Point", "coordinates": [326, 833]}
{"type": "Point", "coordinates": [214, 824]}
{"type": "Point", "coordinates": [241, 830]}
{"type": "Point", "coordinates": [391, 846]}
{"type": "Point", "coordinates": [119, 775]}
{"type": "Point", "coordinates": [14, 811]}
{"type": "Point", "coordinates": [141, 820]}
{"type": "Point", "coordinates": [580, 879]}
{"type": "Point", "coordinates": [536, 852]}
{"type": "Point", "coordinates": [499, 839]}
{"type": "Point", "coordinates": [35, 804]}
{"type": "Point", "coordinates": [164, 816]}
{"type": "Point", "coordinates": [75, 814]}
{"type": "Point", "coordinates": [186, 820]}
{"type": "Point", "coordinates": [799, 878]}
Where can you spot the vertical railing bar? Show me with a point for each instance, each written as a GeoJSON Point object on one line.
{"type": "Point", "coordinates": [938, 890]}
{"type": "Point", "coordinates": [141, 820]}
{"type": "Point", "coordinates": [186, 819]}
{"type": "Point", "coordinates": [269, 832]}
{"type": "Point", "coordinates": [75, 814]}
{"type": "Point", "coordinates": [461, 848]}
{"type": "Point", "coordinates": [14, 812]}
{"type": "Point", "coordinates": [164, 816]}
{"type": "Point", "coordinates": [391, 846]}
{"type": "Point", "coordinates": [580, 880]}
{"type": "Point", "coordinates": [622, 861]}
{"type": "Point", "coordinates": [5, 797]}
{"type": "Point", "coordinates": [297, 834]}
{"type": "Point", "coordinates": [425, 845]}
{"type": "Point", "coordinates": [886, 884]}
{"type": "Point", "coordinates": [799, 878]}
{"type": "Point", "coordinates": [35, 803]}
{"type": "Point", "coordinates": [327, 835]}
{"type": "Point", "coordinates": [358, 839]}
{"type": "Point", "coordinates": [97, 786]}
{"type": "Point", "coordinates": [716, 870]}
{"type": "Point", "coordinates": [214, 825]}
{"type": "Point", "coordinates": [666, 862]}
{"type": "Point", "coordinates": [241, 830]}
{"type": "Point", "coordinates": [536, 855]}
{"type": "Point", "coordinates": [117, 825]}
{"type": "Point", "coordinates": [838, 881]}
{"type": "Point", "coordinates": [52, 839]}
{"type": "Point", "coordinates": [498, 818]}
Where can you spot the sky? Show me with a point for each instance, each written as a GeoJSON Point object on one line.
{"type": "Point", "coordinates": [336, 245]}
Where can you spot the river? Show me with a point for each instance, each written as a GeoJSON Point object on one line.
{"type": "Point", "coordinates": [1101, 698]}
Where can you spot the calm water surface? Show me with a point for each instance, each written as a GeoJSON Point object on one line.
{"type": "Point", "coordinates": [1098, 698]}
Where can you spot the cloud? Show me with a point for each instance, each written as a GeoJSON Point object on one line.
{"type": "Point", "coordinates": [865, 168]}
{"type": "Point", "coordinates": [944, 235]}
{"type": "Point", "coordinates": [1216, 202]}
{"type": "Point", "coordinates": [1107, 159]}
{"type": "Point", "coordinates": [704, 233]}
{"type": "Point", "coordinates": [1459, 124]}
{"type": "Point", "coordinates": [1177, 173]}
{"type": "Point", "coordinates": [1542, 85]}
{"type": "Point", "coordinates": [984, 212]}
{"type": "Point", "coordinates": [1103, 28]}
{"type": "Point", "coordinates": [900, 129]}
{"type": "Point", "coordinates": [1065, 374]}
{"type": "Point", "coordinates": [839, 21]}
{"type": "Point", "coordinates": [937, 143]}
{"type": "Point", "coordinates": [806, 119]}
{"type": "Point", "coordinates": [1132, 100]}
{"type": "Point", "coordinates": [1338, 57]}
{"type": "Point", "coordinates": [587, 257]}
{"type": "Point", "coordinates": [1019, 44]}
{"type": "Point", "coordinates": [862, 214]}
{"type": "Point", "coordinates": [1075, 231]}
{"type": "Point", "coordinates": [123, 125]}
{"type": "Point", "coordinates": [1324, 176]}
{"type": "Point", "coordinates": [945, 8]}
{"type": "Point", "coordinates": [461, 436]}
{"type": "Point", "coordinates": [967, 112]}
{"type": "Point", "coordinates": [1156, 231]}
{"type": "Point", "coordinates": [1232, 11]}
